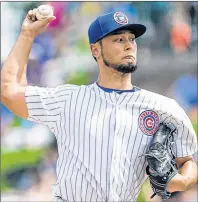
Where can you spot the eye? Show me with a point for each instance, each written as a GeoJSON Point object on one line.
{"type": "Point", "coordinates": [132, 39]}
{"type": "Point", "coordinates": [119, 40]}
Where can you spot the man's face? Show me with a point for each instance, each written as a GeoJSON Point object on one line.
{"type": "Point", "coordinates": [119, 51]}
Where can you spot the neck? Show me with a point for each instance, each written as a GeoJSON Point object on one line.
{"type": "Point", "coordinates": [113, 79]}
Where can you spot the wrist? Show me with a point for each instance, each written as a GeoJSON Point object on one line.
{"type": "Point", "coordinates": [184, 183]}
{"type": "Point", "coordinates": [188, 182]}
{"type": "Point", "coordinates": [27, 35]}
{"type": "Point", "coordinates": [177, 183]}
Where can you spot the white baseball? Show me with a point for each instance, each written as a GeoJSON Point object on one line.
{"type": "Point", "coordinates": [44, 11]}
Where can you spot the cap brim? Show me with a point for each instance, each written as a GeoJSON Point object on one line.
{"type": "Point", "coordinates": [137, 29]}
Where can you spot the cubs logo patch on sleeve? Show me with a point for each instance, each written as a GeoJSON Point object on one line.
{"type": "Point", "coordinates": [148, 122]}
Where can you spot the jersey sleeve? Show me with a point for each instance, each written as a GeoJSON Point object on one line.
{"type": "Point", "coordinates": [45, 104]}
{"type": "Point", "coordinates": [186, 139]}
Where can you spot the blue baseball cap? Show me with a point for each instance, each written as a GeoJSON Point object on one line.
{"type": "Point", "coordinates": [111, 22]}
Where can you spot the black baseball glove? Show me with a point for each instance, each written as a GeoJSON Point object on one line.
{"type": "Point", "coordinates": [162, 166]}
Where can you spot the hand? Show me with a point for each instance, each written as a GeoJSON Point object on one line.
{"type": "Point", "coordinates": [177, 183]}
{"type": "Point", "coordinates": [33, 25]}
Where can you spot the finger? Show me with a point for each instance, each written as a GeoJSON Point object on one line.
{"type": "Point", "coordinates": [34, 11]}
{"type": "Point", "coordinates": [30, 12]}
{"type": "Point", "coordinates": [33, 18]}
{"type": "Point", "coordinates": [49, 19]}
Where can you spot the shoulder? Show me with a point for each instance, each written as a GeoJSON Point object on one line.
{"type": "Point", "coordinates": [71, 87]}
{"type": "Point", "coordinates": [59, 88]}
{"type": "Point", "coordinates": [60, 92]}
{"type": "Point", "coordinates": [158, 97]}
{"type": "Point", "coordinates": [169, 105]}
{"type": "Point", "coordinates": [77, 90]}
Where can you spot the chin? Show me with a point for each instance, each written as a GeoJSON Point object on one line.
{"type": "Point", "coordinates": [128, 63]}
{"type": "Point", "coordinates": [126, 68]}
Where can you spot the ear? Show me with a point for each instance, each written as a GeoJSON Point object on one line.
{"type": "Point", "coordinates": [95, 49]}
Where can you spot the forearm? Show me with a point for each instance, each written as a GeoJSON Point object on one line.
{"type": "Point", "coordinates": [189, 172]}
{"type": "Point", "coordinates": [185, 179]}
{"type": "Point", "coordinates": [14, 69]}
{"type": "Point", "coordinates": [23, 80]}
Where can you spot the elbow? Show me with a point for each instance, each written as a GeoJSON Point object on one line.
{"type": "Point", "coordinates": [7, 92]}
{"type": "Point", "coordinates": [8, 87]}
{"type": "Point", "coordinates": [5, 80]}
{"type": "Point", "coordinates": [6, 97]}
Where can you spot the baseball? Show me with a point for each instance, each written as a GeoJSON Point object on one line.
{"type": "Point", "coordinates": [44, 11]}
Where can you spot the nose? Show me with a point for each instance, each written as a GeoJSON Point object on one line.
{"type": "Point", "coordinates": [130, 45]}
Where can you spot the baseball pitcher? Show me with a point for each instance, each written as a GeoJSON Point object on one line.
{"type": "Point", "coordinates": [111, 135]}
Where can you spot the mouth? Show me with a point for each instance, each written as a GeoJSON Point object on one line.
{"type": "Point", "coordinates": [129, 57]}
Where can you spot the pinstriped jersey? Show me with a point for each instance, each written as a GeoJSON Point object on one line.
{"type": "Point", "coordinates": [101, 137]}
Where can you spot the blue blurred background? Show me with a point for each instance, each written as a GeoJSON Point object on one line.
{"type": "Point", "coordinates": [167, 61]}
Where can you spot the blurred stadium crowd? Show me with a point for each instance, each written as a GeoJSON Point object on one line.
{"type": "Point", "coordinates": [167, 60]}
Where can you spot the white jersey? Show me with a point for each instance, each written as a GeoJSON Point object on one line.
{"type": "Point", "coordinates": [101, 136]}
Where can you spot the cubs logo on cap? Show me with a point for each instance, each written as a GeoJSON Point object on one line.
{"type": "Point", "coordinates": [120, 18]}
{"type": "Point", "coordinates": [148, 122]}
{"type": "Point", "coordinates": [110, 22]}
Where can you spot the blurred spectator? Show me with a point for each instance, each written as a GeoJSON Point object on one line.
{"type": "Point", "coordinates": [158, 12]}
{"type": "Point", "coordinates": [90, 9]}
{"type": "Point", "coordinates": [125, 7]}
{"type": "Point", "coordinates": [180, 36]}
{"type": "Point", "coordinates": [60, 10]}
{"type": "Point", "coordinates": [185, 91]}
{"type": "Point", "coordinates": [192, 9]}
{"type": "Point", "coordinates": [58, 28]}
{"type": "Point", "coordinates": [34, 67]}
{"type": "Point", "coordinates": [158, 15]}
{"type": "Point", "coordinates": [43, 48]}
